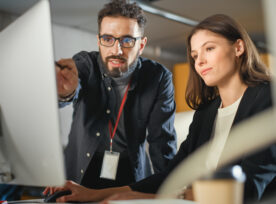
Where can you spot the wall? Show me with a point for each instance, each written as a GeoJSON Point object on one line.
{"type": "Point", "coordinates": [180, 78]}
{"type": "Point", "coordinates": [67, 42]}
{"type": "Point", "coordinates": [5, 19]}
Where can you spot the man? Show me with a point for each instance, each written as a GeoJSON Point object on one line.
{"type": "Point", "coordinates": [120, 100]}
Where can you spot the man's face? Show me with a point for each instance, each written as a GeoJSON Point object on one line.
{"type": "Point", "coordinates": [117, 58]}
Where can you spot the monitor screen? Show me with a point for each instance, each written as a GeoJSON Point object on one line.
{"type": "Point", "coordinates": [269, 15]}
{"type": "Point", "coordinates": [30, 143]}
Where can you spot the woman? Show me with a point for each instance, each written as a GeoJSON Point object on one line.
{"type": "Point", "coordinates": [227, 84]}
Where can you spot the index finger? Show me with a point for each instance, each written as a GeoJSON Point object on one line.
{"type": "Point", "coordinates": [59, 65]}
{"type": "Point", "coordinates": [46, 190]}
{"type": "Point", "coordinates": [66, 62]}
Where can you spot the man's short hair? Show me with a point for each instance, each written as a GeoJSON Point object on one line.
{"type": "Point", "coordinates": [117, 8]}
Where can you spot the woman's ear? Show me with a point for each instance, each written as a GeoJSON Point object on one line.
{"type": "Point", "coordinates": [239, 47]}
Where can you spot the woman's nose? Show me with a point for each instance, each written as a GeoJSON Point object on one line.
{"type": "Point", "coordinates": [201, 59]}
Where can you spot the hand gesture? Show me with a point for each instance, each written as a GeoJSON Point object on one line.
{"type": "Point", "coordinates": [67, 77]}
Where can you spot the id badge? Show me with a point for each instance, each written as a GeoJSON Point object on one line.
{"type": "Point", "coordinates": [110, 165]}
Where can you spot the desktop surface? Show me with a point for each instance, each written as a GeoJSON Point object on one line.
{"type": "Point", "coordinates": [140, 201]}
{"type": "Point", "coordinates": [41, 201]}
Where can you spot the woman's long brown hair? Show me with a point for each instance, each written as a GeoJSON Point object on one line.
{"type": "Point", "coordinates": [252, 70]}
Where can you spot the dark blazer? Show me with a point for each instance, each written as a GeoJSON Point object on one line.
{"type": "Point", "coordinates": [148, 115]}
{"type": "Point", "coordinates": [260, 168]}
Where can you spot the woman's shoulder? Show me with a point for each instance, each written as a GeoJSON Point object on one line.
{"type": "Point", "coordinates": [264, 85]}
{"type": "Point", "coordinates": [262, 89]}
{"type": "Point", "coordinates": [258, 97]}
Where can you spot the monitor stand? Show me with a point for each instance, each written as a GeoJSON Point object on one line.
{"type": "Point", "coordinates": [5, 170]}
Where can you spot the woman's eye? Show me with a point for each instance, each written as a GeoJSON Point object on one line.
{"type": "Point", "coordinates": [209, 48]}
{"type": "Point", "coordinates": [194, 57]}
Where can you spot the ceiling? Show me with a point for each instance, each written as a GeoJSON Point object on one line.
{"type": "Point", "coordinates": [163, 34]}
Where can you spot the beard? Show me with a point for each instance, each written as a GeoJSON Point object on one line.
{"type": "Point", "coordinates": [118, 71]}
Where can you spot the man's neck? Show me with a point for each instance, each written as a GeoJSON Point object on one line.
{"type": "Point", "coordinates": [124, 77]}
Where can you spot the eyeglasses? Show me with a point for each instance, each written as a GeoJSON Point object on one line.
{"type": "Point", "coordinates": [125, 41]}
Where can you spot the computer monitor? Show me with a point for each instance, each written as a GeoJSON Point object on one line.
{"type": "Point", "coordinates": [30, 143]}
{"type": "Point", "coordinates": [269, 15]}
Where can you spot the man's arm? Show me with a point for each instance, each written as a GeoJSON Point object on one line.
{"type": "Point", "coordinates": [67, 77]}
{"type": "Point", "coordinates": [76, 73]}
{"type": "Point", "coordinates": [82, 194]}
{"type": "Point", "coordinates": [67, 81]}
{"type": "Point", "coordinates": [161, 132]}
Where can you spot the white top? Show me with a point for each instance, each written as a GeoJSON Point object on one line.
{"type": "Point", "coordinates": [222, 125]}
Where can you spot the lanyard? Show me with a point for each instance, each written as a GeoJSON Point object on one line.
{"type": "Point", "coordinates": [112, 133]}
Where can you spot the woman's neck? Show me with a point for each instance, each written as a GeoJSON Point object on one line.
{"type": "Point", "coordinates": [231, 92]}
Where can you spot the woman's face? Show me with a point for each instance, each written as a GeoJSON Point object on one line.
{"type": "Point", "coordinates": [215, 58]}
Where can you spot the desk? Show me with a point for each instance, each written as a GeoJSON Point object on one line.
{"type": "Point", "coordinates": [38, 201]}
{"type": "Point", "coordinates": [140, 201]}
{"type": "Point", "coordinates": [153, 201]}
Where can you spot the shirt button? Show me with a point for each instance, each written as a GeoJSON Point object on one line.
{"type": "Point", "coordinates": [82, 171]}
{"type": "Point", "coordinates": [108, 111]}
{"type": "Point", "coordinates": [109, 88]}
{"type": "Point", "coordinates": [88, 154]}
{"type": "Point", "coordinates": [98, 134]}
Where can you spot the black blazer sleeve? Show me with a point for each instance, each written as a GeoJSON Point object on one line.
{"type": "Point", "coordinates": [152, 183]}
{"type": "Point", "coordinates": [260, 168]}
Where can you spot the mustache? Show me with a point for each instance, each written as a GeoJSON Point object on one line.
{"type": "Point", "coordinates": [116, 57]}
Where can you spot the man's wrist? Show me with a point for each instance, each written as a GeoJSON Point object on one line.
{"type": "Point", "coordinates": [67, 98]}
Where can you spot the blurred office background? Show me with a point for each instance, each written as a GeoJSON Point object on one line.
{"type": "Point", "coordinates": [169, 21]}
{"type": "Point", "coordinates": [75, 23]}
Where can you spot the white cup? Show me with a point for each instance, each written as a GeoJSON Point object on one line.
{"type": "Point", "coordinates": [225, 186]}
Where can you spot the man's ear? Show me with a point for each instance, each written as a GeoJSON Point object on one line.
{"type": "Point", "coordinates": [142, 44]}
{"type": "Point", "coordinates": [239, 47]}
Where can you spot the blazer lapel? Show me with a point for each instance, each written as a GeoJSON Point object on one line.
{"type": "Point", "coordinates": [209, 118]}
{"type": "Point", "coordinates": [245, 105]}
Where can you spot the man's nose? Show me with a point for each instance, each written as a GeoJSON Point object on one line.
{"type": "Point", "coordinates": [117, 48]}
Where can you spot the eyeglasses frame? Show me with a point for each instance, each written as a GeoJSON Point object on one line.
{"type": "Point", "coordinates": [119, 40]}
